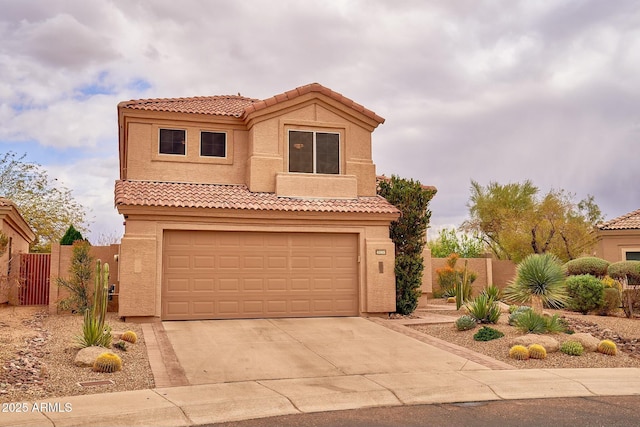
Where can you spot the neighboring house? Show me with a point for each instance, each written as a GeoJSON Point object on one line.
{"type": "Point", "coordinates": [243, 208]}
{"type": "Point", "coordinates": [19, 235]}
{"type": "Point", "coordinates": [619, 238]}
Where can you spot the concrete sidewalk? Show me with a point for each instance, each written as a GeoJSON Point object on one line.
{"type": "Point", "coordinates": [334, 365]}
{"type": "Point", "coordinates": [214, 403]}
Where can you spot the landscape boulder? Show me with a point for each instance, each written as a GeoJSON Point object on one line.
{"type": "Point", "coordinates": [549, 343]}
{"type": "Point", "coordinates": [588, 341]}
{"type": "Point", "coordinates": [88, 355]}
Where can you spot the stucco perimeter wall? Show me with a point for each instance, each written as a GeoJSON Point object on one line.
{"type": "Point", "coordinates": [141, 250]}
{"type": "Point", "coordinates": [61, 261]}
{"type": "Point", "coordinates": [488, 270]}
{"type": "Point", "coordinates": [269, 148]}
{"type": "Point", "coordinates": [613, 244]}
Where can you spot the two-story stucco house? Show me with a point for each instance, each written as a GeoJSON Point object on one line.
{"type": "Point", "coordinates": [245, 208]}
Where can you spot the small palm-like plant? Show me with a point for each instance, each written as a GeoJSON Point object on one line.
{"type": "Point", "coordinates": [539, 281]}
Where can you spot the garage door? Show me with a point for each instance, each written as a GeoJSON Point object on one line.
{"type": "Point", "coordinates": [235, 275]}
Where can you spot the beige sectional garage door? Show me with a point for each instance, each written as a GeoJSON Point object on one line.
{"type": "Point", "coordinates": [235, 275]}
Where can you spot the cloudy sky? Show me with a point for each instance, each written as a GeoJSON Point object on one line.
{"type": "Point", "coordinates": [546, 90]}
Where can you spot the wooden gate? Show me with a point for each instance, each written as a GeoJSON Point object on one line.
{"type": "Point", "coordinates": [34, 279]}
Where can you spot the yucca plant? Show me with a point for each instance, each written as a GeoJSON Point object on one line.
{"type": "Point", "coordinates": [94, 330]}
{"type": "Point", "coordinates": [483, 309]}
{"type": "Point", "coordinates": [539, 281]}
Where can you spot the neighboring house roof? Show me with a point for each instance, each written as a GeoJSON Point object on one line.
{"type": "Point", "coordinates": [188, 195]}
{"type": "Point", "coordinates": [239, 106]}
{"type": "Point", "coordinates": [10, 213]}
{"type": "Point", "coordinates": [630, 221]}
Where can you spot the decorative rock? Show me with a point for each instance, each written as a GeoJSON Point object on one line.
{"type": "Point", "coordinates": [549, 343]}
{"type": "Point", "coordinates": [115, 335]}
{"type": "Point", "coordinates": [588, 341]}
{"type": "Point", "coordinates": [504, 308]}
{"type": "Point", "coordinates": [88, 355]}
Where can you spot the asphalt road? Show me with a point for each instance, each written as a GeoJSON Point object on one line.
{"type": "Point", "coordinates": [623, 411]}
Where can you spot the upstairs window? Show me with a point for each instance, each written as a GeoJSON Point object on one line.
{"type": "Point", "coordinates": [213, 144]}
{"type": "Point", "coordinates": [173, 141]}
{"type": "Point", "coordinates": [314, 152]}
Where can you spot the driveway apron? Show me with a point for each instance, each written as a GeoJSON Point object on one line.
{"type": "Point", "coordinates": [220, 351]}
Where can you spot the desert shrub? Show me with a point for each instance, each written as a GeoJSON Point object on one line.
{"type": "Point", "coordinates": [610, 282]}
{"type": "Point", "coordinates": [587, 265]}
{"type": "Point", "coordinates": [625, 270]}
{"type": "Point", "coordinates": [450, 241]}
{"type": "Point", "coordinates": [536, 351]}
{"type": "Point", "coordinates": [80, 273]}
{"type": "Point", "coordinates": [449, 276]}
{"type": "Point", "coordinates": [464, 323]}
{"type": "Point", "coordinates": [518, 310]}
{"type": "Point", "coordinates": [493, 292]}
{"type": "Point", "coordinates": [610, 301]}
{"type": "Point", "coordinates": [530, 322]}
{"type": "Point", "coordinates": [483, 309]}
{"type": "Point", "coordinates": [572, 348]}
{"type": "Point", "coordinates": [487, 334]}
{"type": "Point", "coordinates": [585, 293]}
{"type": "Point", "coordinates": [539, 277]}
{"type": "Point", "coordinates": [121, 345]}
{"type": "Point", "coordinates": [519, 352]}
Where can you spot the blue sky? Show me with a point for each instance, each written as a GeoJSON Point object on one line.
{"type": "Point", "coordinates": [546, 90]}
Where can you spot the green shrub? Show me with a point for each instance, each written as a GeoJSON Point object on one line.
{"type": "Point", "coordinates": [518, 310]}
{"type": "Point", "coordinates": [538, 277]}
{"type": "Point", "coordinates": [70, 236]}
{"type": "Point", "coordinates": [493, 292]}
{"type": "Point", "coordinates": [484, 309]}
{"type": "Point", "coordinates": [610, 301]}
{"type": "Point", "coordinates": [450, 241]}
{"type": "Point", "coordinates": [585, 293]}
{"type": "Point", "coordinates": [464, 323]}
{"type": "Point", "coordinates": [530, 322]}
{"type": "Point", "coordinates": [587, 265]}
{"type": "Point", "coordinates": [79, 279]}
{"type": "Point", "coordinates": [556, 325]}
{"type": "Point", "coordinates": [626, 270]}
{"type": "Point", "coordinates": [572, 348]}
{"type": "Point", "coordinates": [487, 334]}
{"type": "Point", "coordinates": [408, 269]}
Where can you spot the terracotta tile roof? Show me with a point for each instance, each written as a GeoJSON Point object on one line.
{"type": "Point", "coordinates": [225, 105]}
{"type": "Point", "coordinates": [630, 221]}
{"type": "Point", "coordinates": [239, 106]}
{"type": "Point", "coordinates": [186, 195]}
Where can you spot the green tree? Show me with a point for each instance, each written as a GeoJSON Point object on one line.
{"type": "Point", "coordinates": [408, 233]}
{"type": "Point", "coordinates": [70, 236]}
{"type": "Point", "coordinates": [450, 241]}
{"type": "Point", "coordinates": [514, 221]}
{"type": "Point", "coordinates": [47, 206]}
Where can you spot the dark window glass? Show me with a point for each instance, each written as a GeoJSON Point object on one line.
{"type": "Point", "coordinates": [633, 256]}
{"type": "Point", "coordinates": [327, 153]}
{"type": "Point", "coordinates": [172, 141]}
{"type": "Point", "coordinates": [300, 152]}
{"type": "Point", "coordinates": [213, 144]}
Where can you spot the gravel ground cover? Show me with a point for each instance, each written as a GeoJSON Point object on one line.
{"type": "Point", "coordinates": [38, 350]}
{"type": "Point", "coordinates": [625, 332]}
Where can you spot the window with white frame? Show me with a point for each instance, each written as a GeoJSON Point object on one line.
{"type": "Point", "coordinates": [213, 144]}
{"type": "Point", "coordinates": [173, 141]}
{"type": "Point", "coordinates": [314, 152]}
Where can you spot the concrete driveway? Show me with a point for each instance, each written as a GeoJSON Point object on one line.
{"type": "Point", "coordinates": [221, 351]}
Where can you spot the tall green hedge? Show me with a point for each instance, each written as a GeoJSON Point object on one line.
{"type": "Point", "coordinates": [587, 265]}
{"type": "Point", "coordinates": [408, 234]}
{"type": "Point", "coordinates": [628, 269]}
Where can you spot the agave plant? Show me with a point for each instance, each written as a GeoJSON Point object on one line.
{"type": "Point", "coordinates": [539, 281]}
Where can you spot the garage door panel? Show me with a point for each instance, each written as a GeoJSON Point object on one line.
{"type": "Point", "coordinates": [211, 275]}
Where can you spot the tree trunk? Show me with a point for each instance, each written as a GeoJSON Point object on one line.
{"type": "Point", "coordinates": [536, 304]}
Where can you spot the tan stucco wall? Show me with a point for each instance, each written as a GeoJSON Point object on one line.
{"type": "Point", "coordinates": [61, 261]}
{"type": "Point", "coordinates": [256, 150]}
{"type": "Point", "coordinates": [141, 251]}
{"type": "Point", "coordinates": [613, 244]}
